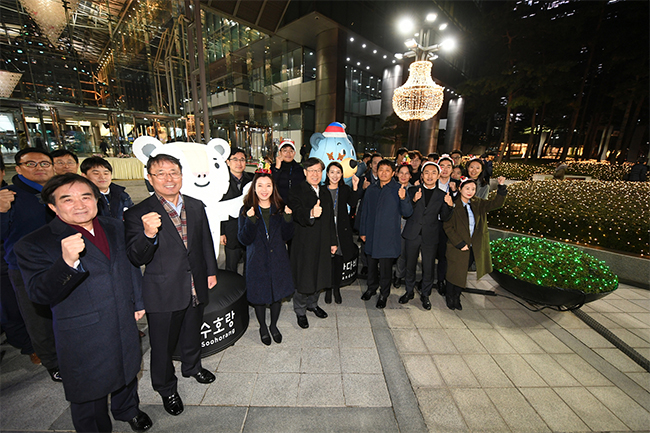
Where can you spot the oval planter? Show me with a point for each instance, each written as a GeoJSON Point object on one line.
{"type": "Point", "coordinates": [551, 296]}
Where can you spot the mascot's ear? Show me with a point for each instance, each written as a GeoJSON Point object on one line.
{"type": "Point", "coordinates": [144, 146]}
{"type": "Point", "coordinates": [315, 140]}
{"type": "Point", "coordinates": [221, 146]}
{"type": "Point", "coordinates": [354, 152]}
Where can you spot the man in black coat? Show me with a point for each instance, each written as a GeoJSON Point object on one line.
{"type": "Point", "coordinates": [314, 241]}
{"type": "Point", "coordinates": [77, 264]}
{"type": "Point", "coordinates": [430, 206]}
{"type": "Point", "coordinates": [169, 233]}
{"type": "Point", "coordinates": [239, 178]}
{"type": "Point", "coordinates": [287, 173]}
{"type": "Point", "coordinates": [114, 199]}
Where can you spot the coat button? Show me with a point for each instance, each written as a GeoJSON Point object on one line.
{"type": "Point", "coordinates": [271, 250]}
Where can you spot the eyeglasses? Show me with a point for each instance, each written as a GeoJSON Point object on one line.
{"type": "Point", "coordinates": [163, 175]}
{"type": "Point", "coordinates": [67, 164]}
{"type": "Point", "coordinates": [237, 159]}
{"type": "Point", "coordinates": [33, 164]}
{"type": "Point", "coordinates": [314, 170]}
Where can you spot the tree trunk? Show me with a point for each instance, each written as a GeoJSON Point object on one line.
{"type": "Point", "coordinates": [506, 130]}
{"type": "Point", "coordinates": [576, 113]}
{"type": "Point", "coordinates": [621, 133]}
{"type": "Point", "coordinates": [630, 133]}
{"type": "Point", "coordinates": [531, 137]}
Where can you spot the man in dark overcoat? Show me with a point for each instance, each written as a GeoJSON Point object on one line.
{"type": "Point", "coordinates": [314, 241]}
{"type": "Point", "coordinates": [77, 264]}
{"type": "Point", "coordinates": [239, 178]}
{"type": "Point", "coordinates": [384, 205]}
{"type": "Point", "coordinates": [169, 233]}
{"type": "Point", "coordinates": [430, 206]}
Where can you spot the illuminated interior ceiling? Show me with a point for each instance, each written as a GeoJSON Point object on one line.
{"type": "Point", "coordinates": [95, 27]}
{"type": "Point", "coordinates": [263, 14]}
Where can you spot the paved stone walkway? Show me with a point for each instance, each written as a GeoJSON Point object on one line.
{"type": "Point", "coordinates": [494, 366]}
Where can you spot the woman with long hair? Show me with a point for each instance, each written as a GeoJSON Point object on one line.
{"type": "Point", "coordinates": [476, 172]}
{"type": "Point", "coordinates": [342, 197]}
{"type": "Point", "coordinates": [265, 225]}
{"type": "Point", "coordinates": [468, 239]}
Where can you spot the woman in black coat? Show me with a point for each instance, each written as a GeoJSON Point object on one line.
{"type": "Point", "coordinates": [265, 225]}
{"type": "Point", "coordinates": [342, 197]}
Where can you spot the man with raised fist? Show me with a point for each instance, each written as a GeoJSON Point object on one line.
{"type": "Point", "coordinates": [169, 233]}
{"type": "Point", "coordinates": [77, 264]}
{"type": "Point", "coordinates": [384, 204]}
{"type": "Point", "coordinates": [314, 241]}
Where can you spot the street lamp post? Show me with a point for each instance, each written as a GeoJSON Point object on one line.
{"type": "Point", "coordinates": [420, 98]}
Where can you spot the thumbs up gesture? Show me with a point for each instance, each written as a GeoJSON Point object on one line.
{"type": "Point", "coordinates": [418, 195]}
{"type": "Point", "coordinates": [316, 211]}
{"type": "Point", "coordinates": [71, 247]}
{"type": "Point", "coordinates": [448, 199]}
{"type": "Point", "coordinates": [250, 213]}
{"type": "Point", "coordinates": [402, 193]}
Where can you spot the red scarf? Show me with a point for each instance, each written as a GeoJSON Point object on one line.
{"type": "Point", "coordinates": [99, 239]}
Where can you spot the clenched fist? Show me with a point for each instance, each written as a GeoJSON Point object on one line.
{"type": "Point", "coordinates": [151, 223]}
{"type": "Point", "coordinates": [448, 199]}
{"type": "Point", "coordinates": [250, 213]}
{"type": "Point", "coordinates": [355, 182]}
{"type": "Point", "coordinates": [316, 211]}
{"type": "Point", "coordinates": [6, 198]}
{"type": "Point", "coordinates": [71, 247]}
{"type": "Point", "coordinates": [287, 210]}
{"type": "Point", "coordinates": [402, 193]}
{"type": "Point", "coordinates": [366, 183]}
{"type": "Point", "coordinates": [418, 195]}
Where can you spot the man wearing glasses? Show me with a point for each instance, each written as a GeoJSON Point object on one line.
{"type": "Point", "coordinates": [169, 233]}
{"type": "Point", "coordinates": [238, 180]}
{"type": "Point", "coordinates": [22, 212]}
{"type": "Point", "coordinates": [65, 162]}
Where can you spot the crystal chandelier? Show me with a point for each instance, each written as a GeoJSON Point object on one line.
{"type": "Point", "coordinates": [419, 98]}
{"type": "Point", "coordinates": [8, 81]}
{"type": "Point", "coordinates": [50, 16]}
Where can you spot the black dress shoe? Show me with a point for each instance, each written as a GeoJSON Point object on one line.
{"type": "Point", "coordinates": [328, 296]}
{"type": "Point", "coordinates": [140, 422]}
{"type": "Point", "coordinates": [277, 337]}
{"type": "Point", "coordinates": [337, 296]}
{"type": "Point", "coordinates": [204, 376]}
{"type": "Point", "coordinates": [367, 295]}
{"type": "Point", "coordinates": [457, 303]}
{"type": "Point", "coordinates": [381, 302]}
{"type": "Point", "coordinates": [302, 322]}
{"type": "Point", "coordinates": [426, 304]}
{"type": "Point", "coordinates": [173, 404]}
{"type": "Point", "coordinates": [397, 282]}
{"type": "Point", "coordinates": [55, 375]}
{"type": "Point", "coordinates": [265, 337]}
{"type": "Point", "coordinates": [319, 312]}
{"type": "Point", "coordinates": [405, 298]}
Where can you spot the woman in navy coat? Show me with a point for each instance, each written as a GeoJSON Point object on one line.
{"type": "Point", "coordinates": [342, 197]}
{"type": "Point", "coordinates": [265, 225]}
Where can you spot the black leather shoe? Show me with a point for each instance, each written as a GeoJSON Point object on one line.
{"type": "Point", "coordinates": [426, 304]}
{"type": "Point", "coordinates": [457, 303]}
{"type": "Point", "coordinates": [328, 296]}
{"type": "Point", "coordinates": [277, 337]}
{"type": "Point", "coordinates": [397, 282]}
{"type": "Point", "coordinates": [55, 375]}
{"type": "Point", "coordinates": [337, 296]}
{"type": "Point", "coordinates": [302, 322]}
{"type": "Point", "coordinates": [173, 404]}
{"type": "Point", "coordinates": [381, 302]}
{"type": "Point", "coordinates": [450, 302]}
{"type": "Point", "coordinates": [319, 312]}
{"type": "Point", "coordinates": [405, 298]}
{"type": "Point", "coordinates": [442, 288]}
{"type": "Point", "coordinates": [265, 337]}
{"type": "Point", "coordinates": [367, 295]}
{"type": "Point", "coordinates": [140, 422]}
{"type": "Point", "coordinates": [204, 376]}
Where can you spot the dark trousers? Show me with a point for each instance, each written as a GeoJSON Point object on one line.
{"type": "Point", "coordinates": [92, 416]}
{"type": "Point", "coordinates": [233, 256]}
{"type": "Point", "coordinates": [442, 256]}
{"type": "Point", "coordinates": [38, 320]}
{"type": "Point", "coordinates": [413, 247]}
{"type": "Point", "coordinates": [337, 271]}
{"type": "Point", "coordinates": [400, 267]}
{"type": "Point", "coordinates": [166, 330]}
{"type": "Point", "coordinates": [302, 301]}
{"type": "Point", "coordinates": [11, 320]}
{"type": "Point", "coordinates": [379, 273]}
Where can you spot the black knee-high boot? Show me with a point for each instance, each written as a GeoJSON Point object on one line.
{"type": "Point", "coordinates": [260, 313]}
{"type": "Point", "coordinates": [449, 296]}
{"type": "Point", "coordinates": [275, 315]}
{"type": "Point", "coordinates": [328, 296]}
